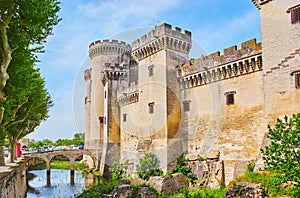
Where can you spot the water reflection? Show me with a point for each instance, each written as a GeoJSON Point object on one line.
{"type": "Point", "coordinates": [58, 183]}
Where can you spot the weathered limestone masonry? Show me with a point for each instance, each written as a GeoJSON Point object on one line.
{"type": "Point", "coordinates": [281, 58]}
{"type": "Point", "coordinates": [13, 182]}
{"type": "Point", "coordinates": [153, 98]}
{"type": "Point", "coordinates": [211, 125]}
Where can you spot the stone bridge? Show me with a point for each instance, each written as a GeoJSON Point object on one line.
{"type": "Point", "coordinates": [72, 155]}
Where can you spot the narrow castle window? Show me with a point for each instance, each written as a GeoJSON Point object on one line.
{"type": "Point", "coordinates": [186, 105]}
{"type": "Point", "coordinates": [150, 70]}
{"type": "Point", "coordinates": [297, 80]}
{"type": "Point", "coordinates": [230, 97]}
{"type": "Point", "coordinates": [151, 107]}
{"type": "Point", "coordinates": [124, 117]}
{"type": "Point", "coordinates": [295, 14]}
{"type": "Point", "coordinates": [101, 120]}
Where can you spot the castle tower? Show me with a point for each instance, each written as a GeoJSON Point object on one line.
{"type": "Point", "coordinates": [280, 33]}
{"type": "Point", "coordinates": [151, 115]}
{"type": "Point", "coordinates": [100, 52]}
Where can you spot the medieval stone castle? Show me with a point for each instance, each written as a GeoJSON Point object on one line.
{"type": "Point", "coordinates": [150, 97]}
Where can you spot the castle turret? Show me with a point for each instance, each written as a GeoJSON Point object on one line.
{"type": "Point", "coordinates": [101, 53]}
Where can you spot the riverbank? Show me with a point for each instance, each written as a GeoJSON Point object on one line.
{"type": "Point", "coordinates": [12, 175]}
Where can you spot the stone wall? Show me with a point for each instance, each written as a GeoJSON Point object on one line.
{"type": "Point", "coordinates": [281, 58]}
{"type": "Point", "coordinates": [13, 181]}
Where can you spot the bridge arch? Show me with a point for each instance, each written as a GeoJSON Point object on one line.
{"type": "Point", "coordinates": [72, 155]}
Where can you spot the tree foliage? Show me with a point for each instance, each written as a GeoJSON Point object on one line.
{"type": "Point", "coordinates": [148, 166]}
{"type": "Point", "coordinates": [282, 156]}
{"type": "Point", "coordinates": [24, 26]}
{"type": "Point", "coordinates": [28, 101]}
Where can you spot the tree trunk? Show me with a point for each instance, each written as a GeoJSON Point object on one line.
{"type": "Point", "coordinates": [13, 153]}
{"type": "Point", "coordinates": [2, 157]}
{"type": "Point", "coordinates": [6, 59]}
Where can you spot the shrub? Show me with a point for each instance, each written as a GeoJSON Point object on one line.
{"type": "Point", "coordinates": [104, 186]}
{"type": "Point", "coordinates": [251, 166]}
{"type": "Point", "coordinates": [282, 155]}
{"type": "Point", "coordinates": [182, 167]}
{"type": "Point", "coordinates": [149, 166]}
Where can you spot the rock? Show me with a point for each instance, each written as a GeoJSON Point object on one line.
{"type": "Point", "coordinates": [157, 183]}
{"type": "Point", "coordinates": [125, 191]}
{"type": "Point", "coordinates": [122, 191]}
{"type": "Point", "coordinates": [246, 190]}
{"type": "Point", "coordinates": [144, 192]}
{"type": "Point", "coordinates": [170, 184]}
{"type": "Point", "coordinates": [181, 180]}
{"type": "Point", "coordinates": [137, 181]}
{"type": "Point", "coordinates": [124, 181]}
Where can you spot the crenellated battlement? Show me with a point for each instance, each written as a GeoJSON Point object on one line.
{"type": "Point", "coordinates": [230, 54]}
{"type": "Point", "coordinates": [162, 37]}
{"type": "Point", "coordinates": [107, 47]}
{"type": "Point", "coordinates": [215, 67]}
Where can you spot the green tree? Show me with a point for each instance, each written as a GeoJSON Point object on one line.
{"type": "Point", "coordinates": [28, 101]}
{"type": "Point", "coordinates": [24, 25]}
{"type": "Point", "coordinates": [78, 139]}
{"type": "Point", "coordinates": [148, 166]}
{"type": "Point", "coordinates": [282, 155]}
{"type": "Point", "coordinates": [37, 144]}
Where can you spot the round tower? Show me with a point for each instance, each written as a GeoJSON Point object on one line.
{"type": "Point", "coordinates": [102, 54]}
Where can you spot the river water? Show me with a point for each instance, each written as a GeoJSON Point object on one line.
{"type": "Point", "coordinates": [59, 184]}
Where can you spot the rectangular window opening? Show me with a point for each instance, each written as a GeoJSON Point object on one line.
{"type": "Point", "coordinates": [101, 120]}
{"type": "Point", "coordinates": [297, 80]}
{"type": "Point", "coordinates": [230, 97]}
{"type": "Point", "coordinates": [150, 70]}
{"type": "Point", "coordinates": [151, 107]}
{"type": "Point", "coordinates": [124, 117]}
{"type": "Point", "coordinates": [295, 14]}
{"type": "Point", "coordinates": [186, 105]}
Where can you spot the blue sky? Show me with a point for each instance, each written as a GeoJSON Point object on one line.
{"type": "Point", "coordinates": [215, 25]}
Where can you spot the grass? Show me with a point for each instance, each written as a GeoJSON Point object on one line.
{"type": "Point", "coordinates": [64, 165]}
{"type": "Point", "coordinates": [272, 182]}
{"type": "Point", "coordinates": [205, 193]}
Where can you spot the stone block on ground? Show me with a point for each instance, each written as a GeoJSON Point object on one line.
{"type": "Point", "coordinates": [245, 190]}
{"type": "Point", "coordinates": [170, 184]}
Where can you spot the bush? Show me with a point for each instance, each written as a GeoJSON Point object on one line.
{"type": "Point", "coordinates": [272, 183]}
{"type": "Point", "coordinates": [149, 166]}
{"type": "Point", "coordinates": [119, 170]}
{"type": "Point", "coordinates": [104, 186]}
{"type": "Point", "coordinates": [182, 167]}
{"type": "Point", "coordinates": [282, 156]}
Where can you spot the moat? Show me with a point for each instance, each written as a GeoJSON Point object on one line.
{"type": "Point", "coordinates": [60, 183]}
